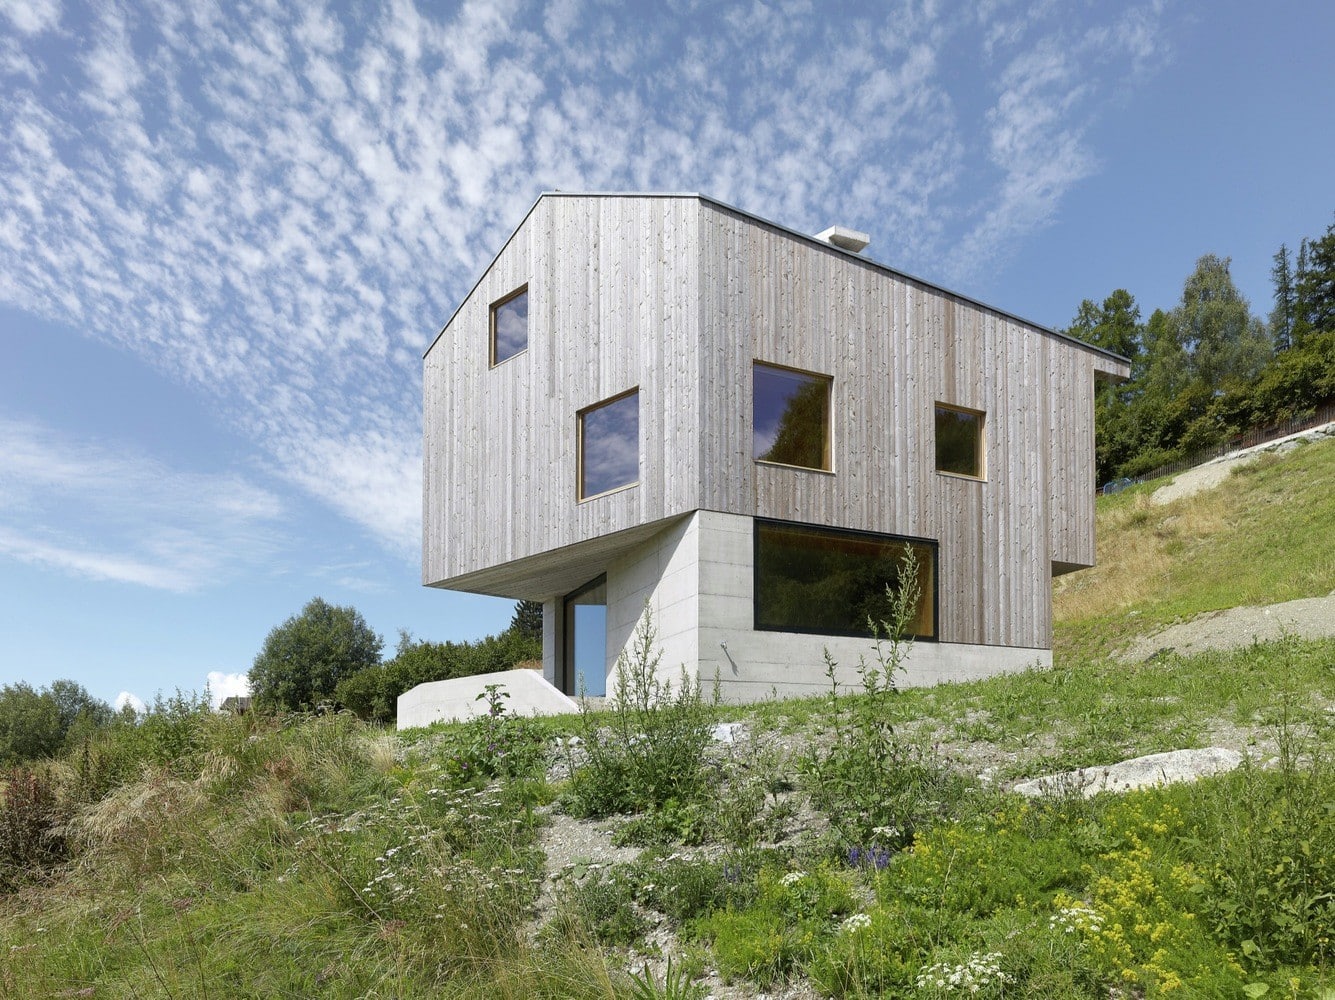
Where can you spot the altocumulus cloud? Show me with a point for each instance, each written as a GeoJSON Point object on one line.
{"type": "Point", "coordinates": [280, 203]}
{"type": "Point", "coordinates": [84, 507]}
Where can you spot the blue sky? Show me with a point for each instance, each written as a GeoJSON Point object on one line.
{"type": "Point", "coordinates": [228, 231]}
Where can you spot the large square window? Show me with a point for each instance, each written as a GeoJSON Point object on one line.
{"type": "Point", "coordinates": [833, 581]}
{"type": "Point", "coordinates": [791, 424]}
{"type": "Point", "coordinates": [609, 445]}
{"type": "Point", "coordinates": [959, 441]}
{"type": "Point", "coordinates": [509, 326]}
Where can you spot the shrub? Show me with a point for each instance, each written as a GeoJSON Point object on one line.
{"type": "Point", "coordinates": [32, 820]}
{"type": "Point", "coordinates": [653, 752]}
{"type": "Point", "coordinates": [1272, 885]}
{"type": "Point", "coordinates": [303, 659]}
{"type": "Point", "coordinates": [875, 787]}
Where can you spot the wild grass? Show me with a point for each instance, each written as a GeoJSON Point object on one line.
{"type": "Point", "coordinates": [1263, 536]}
{"type": "Point", "coordinates": [199, 855]}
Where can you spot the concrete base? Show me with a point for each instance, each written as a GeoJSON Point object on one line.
{"type": "Point", "coordinates": [696, 578]}
{"type": "Point", "coordinates": [460, 698]}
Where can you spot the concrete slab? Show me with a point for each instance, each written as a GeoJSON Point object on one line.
{"type": "Point", "coordinates": [458, 699]}
{"type": "Point", "coordinates": [1139, 772]}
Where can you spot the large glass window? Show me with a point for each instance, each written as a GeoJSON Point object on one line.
{"type": "Point", "coordinates": [792, 417]}
{"type": "Point", "coordinates": [509, 326]}
{"type": "Point", "coordinates": [959, 441]}
{"type": "Point", "coordinates": [609, 445]}
{"type": "Point", "coordinates": [584, 668]}
{"type": "Point", "coordinates": [830, 581]}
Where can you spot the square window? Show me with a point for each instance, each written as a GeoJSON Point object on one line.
{"type": "Point", "coordinates": [509, 326]}
{"type": "Point", "coordinates": [959, 441]}
{"type": "Point", "coordinates": [791, 417]}
{"type": "Point", "coordinates": [609, 445]}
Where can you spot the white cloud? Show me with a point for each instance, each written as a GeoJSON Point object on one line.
{"type": "Point", "coordinates": [282, 205]}
{"type": "Point", "coordinates": [31, 17]}
{"type": "Point", "coordinates": [90, 509]}
{"type": "Point", "coordinates": [133, 700]}
{"type": "Point", "coordinates": [224, 685]}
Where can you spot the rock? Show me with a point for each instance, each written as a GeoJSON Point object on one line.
{"type": "Point", "coordinates": [1139, 772]}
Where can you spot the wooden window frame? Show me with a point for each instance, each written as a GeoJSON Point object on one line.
{"type": "Point", "coordinates": [829, 417]}
{"type": "Point", "coordinates": [499, 304]}
{"type": "Point", "coordinates": [980, 448]}
{"type": "Point", "coordinates": [579, 446]}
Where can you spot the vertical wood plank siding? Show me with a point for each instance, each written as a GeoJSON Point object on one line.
{"type": "Point", "coordinates": [613, 294]}
{"type": "Point", "coordinates": [679, 296]}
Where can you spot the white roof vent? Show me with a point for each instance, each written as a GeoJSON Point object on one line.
{"type": "Point", "coordinates": [845, 239]}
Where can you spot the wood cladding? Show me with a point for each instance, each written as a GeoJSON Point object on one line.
{"type": "Point", "coordinates": [679, 295]}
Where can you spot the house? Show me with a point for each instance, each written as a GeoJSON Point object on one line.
{"type": "Point", "coordinates": [663, 399]}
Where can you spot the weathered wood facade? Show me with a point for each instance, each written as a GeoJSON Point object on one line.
{"type": "Point", "coordinates": [678, 296]}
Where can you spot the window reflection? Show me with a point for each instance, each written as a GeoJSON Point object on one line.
{"type": "Point", "coordinates": [509, 326]}
{"type": "Point", "coordinates": [959, 441]}
{"type": "Point", "coordinates": [810, 579]}
{"type": "Point", "coordinates": [609, 445]}
{"type": "Point", "coordinates": [791, 417]}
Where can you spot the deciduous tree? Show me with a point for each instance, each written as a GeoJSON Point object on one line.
{"type": "Point", "coordinates": [304, 658]}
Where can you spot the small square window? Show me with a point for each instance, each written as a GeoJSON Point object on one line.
{"type": "Point", "coordinates": [509, 326]}
{"type": "Point", "coordinates": [609, 445]}
{"type": "Point", "coordinates": [791, 417]}
{"type": "Point", "coordinates": [959, 441]}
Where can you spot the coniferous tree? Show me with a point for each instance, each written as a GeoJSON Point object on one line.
{"type": "Point", "coordinates": [1318, 283]}
{"type": "Point", "coordinates": [527, 620]}
{"type": "Point", "coordinates": [1281, 317]}
{"type": "Point", "coordinates": [1302, 324]}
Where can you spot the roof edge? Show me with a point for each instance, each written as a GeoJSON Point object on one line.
{"type": "Point", "coordinates": [808, 237]}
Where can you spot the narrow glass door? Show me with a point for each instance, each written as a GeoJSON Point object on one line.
{"type": "Point", "coordinates": [584, 659]}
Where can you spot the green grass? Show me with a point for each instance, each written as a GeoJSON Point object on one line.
{"type": "Point", "coordinates": [1261, 537]}
{"type": "Point", "coordinates": [211, 856]}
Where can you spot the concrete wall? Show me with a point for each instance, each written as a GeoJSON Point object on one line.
{"type": "Point", "coordinates": [755, 665]}
{"type": "Point", "coordinates": [697, 578]}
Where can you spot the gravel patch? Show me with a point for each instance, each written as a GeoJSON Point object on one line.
{"type": "Point", "coordinates": [1306, 618]}
{"type": "Point", "coordinates": [1215, 471]}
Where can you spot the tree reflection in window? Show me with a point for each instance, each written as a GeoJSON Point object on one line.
{"type": "Point", "coordinates": [609, 445]}
{"type": "Point", "coordinates": [828, 581]}
{"type": "Point", "coordinates": [509, 326]}
{"type": "Point", "coordinates": [791, 422]}
{"type": "Point", "coordinates": [959, 441]}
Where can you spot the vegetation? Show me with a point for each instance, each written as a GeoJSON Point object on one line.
{"type": "Point", "coordinates": [303, 659]}
{"type": "Point", "coordinates": [193, 854]}
{"type": "Point", "coordinates": [35, 724]}
{"type": "Point", "coordinates": [372, 693]}
{"type": "Point", "coordinates": [1208, 368]}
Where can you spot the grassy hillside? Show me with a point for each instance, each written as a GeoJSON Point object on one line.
{"type": "Point", "coordinates": [1266, 535]}
{"type": "Point", "coordinates": [860, 845]}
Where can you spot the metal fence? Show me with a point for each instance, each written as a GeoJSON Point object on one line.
{"type": "Point", "coordinates": [1248, 439]}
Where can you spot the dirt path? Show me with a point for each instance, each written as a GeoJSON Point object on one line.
{"type": "Point", "coordinates": [1308, 618]}
{"type": "Point", "coordinates": [1214, 472]}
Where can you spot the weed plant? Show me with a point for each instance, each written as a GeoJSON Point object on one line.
{"type": "Point", "coordinates": [876, 787]}
{"type": "Point", "coordinates": [649, 754]}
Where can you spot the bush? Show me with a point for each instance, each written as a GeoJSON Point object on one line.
{"type": "Point", "coordinates": [32, 820]}
{"type": "Point", "coordinates": [876, 788]}
{"type": "Point", "coordinates": [653, 753]}
{"type": "Point", "coordinates": [373, 693]}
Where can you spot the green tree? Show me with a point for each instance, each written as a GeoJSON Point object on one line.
{"type": "Point", "coordinates": [29, 724]}
{"type": "Point", "coordinates": [303, 660]}
{"type": "Point", "coordinates": [36, 724]}
{"type": "Point", "coordinates": [1281, 317]}
{"type": "Point", "coordinates": [1317, 289]}
{"type": "Point", "coordinates": [1214, 326]}
{"type": "Point", "coordinates": [527, 620]}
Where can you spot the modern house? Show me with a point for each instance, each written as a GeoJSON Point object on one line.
{"type": "Point", "coordinates": [663, 399]}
